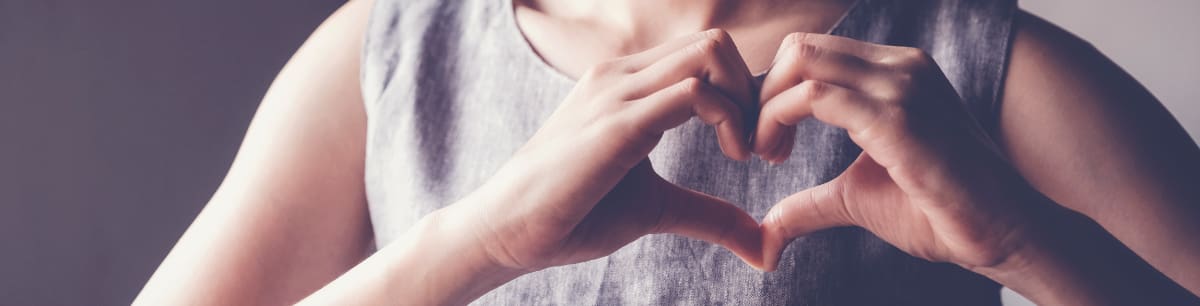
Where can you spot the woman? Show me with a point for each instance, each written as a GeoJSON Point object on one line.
{"type": "Point", "coordinates": [511, 154]}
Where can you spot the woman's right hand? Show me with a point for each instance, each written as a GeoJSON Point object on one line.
{"type": "Point", "coordinates": [582, 187]}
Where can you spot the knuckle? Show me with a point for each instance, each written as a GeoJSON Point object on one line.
{"type": "Point", "coordinates": [803, 49]}
{"type": "Point", "coordinates": [888, 113]}
{"type": "Point", "coordinates": [904, 79]}
{"type": "Point", "coordinates": [622, 65]}
{"type": "Point", "coordinates": [606, 67]}
{"type": "Point", "coordinates": [799, 38]}
{"type": "Point", "coordinates": [813, 90]}
{"type": "Point", "coordinates": [912, 53]}
{"type": "Point", "coordinates": [720, 34]}
{"type": "Point", "coordinates": [911, 58]}
{"type": "Point", "coordinates": [706, 47]}
{"type": "Point", "coordinates": [810, 42]}
{"type": "Point", "coordinates": [723, 115]}
{"type": "Point", "coordinates": [605, 72]}
{"type": "Point", "coordinates": [890, 95]}
{"type": "Point", "coordinates": [690, 87]}
{"type": "Point", "coordinates": [893, 88]}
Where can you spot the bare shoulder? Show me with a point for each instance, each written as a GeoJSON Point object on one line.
{"type": "Point", "coordinates": [295, 186]}
{"type": "Point", "coordinates": [1083, 130]}
{"type": "Point", "coordinates": [1070, 113]}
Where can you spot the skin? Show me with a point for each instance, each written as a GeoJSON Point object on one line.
{"type": "Point", "coordinates": [1046, 205]}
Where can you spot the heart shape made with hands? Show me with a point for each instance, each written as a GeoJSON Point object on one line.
{"type": "Point", "coordinates": [923, 182]}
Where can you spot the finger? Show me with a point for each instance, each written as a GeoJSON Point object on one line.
{"type": "Point", "coordinates": [643, 59]}
{"type": "Point", "coordinates": [783, 148]}
{"type": "Point", "coordinates": [866, 50]}
{"type": "Point", "coordinates": [832, 104]}
{"type": "Point", "coordinates": [674, 105]}
{"type": "Point", "coordinates": [819, 57]}
{"type": "Point", "coordinates": [701, 216]}
{"type": "Point", "coordinates": [713, 59]}
{"type": "Point", "coordinates": [818, 208]}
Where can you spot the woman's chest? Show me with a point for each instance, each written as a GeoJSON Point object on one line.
{"type": "Point", "coordinates": [433, 141]}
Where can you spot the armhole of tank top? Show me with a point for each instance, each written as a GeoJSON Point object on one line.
{"type": "Point", "coordinates": [1008, 15]}
{"type": "Point", "coordinates": [372, 79]}
{"type": "Point", "coordinates": [369, 93]}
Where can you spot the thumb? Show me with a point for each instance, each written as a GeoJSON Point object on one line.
{"type": "Point", "coordinates": [800, 214]}
{"type": "Point", "coordinates": [700, 216]}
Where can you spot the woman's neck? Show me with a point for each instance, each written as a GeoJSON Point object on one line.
{"type": "Point", "coordinates": [658, 20]}
{"type": "Point", "coordinates": [572, 35]}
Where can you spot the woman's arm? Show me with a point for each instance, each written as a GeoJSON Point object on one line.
{"type": "Point", "coordinates": [291, 214]}
{"type": "Point", "coordinates": [1087, 135]}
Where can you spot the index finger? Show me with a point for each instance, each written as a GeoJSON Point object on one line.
{"type": "Point", "coordinates": [643, 59]}
{"type": "Point", "coordinates": [831, 59]}
{"type": "Point", "coordinates": [713, 59]}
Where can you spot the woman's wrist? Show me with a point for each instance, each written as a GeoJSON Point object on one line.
{"type": "Point", "coordinates": [435, 262]}
{"type": "Point", "coordinates": [1042, 266]}
{"type": "Point", "coordinates": [452, 267]}
{"type": "Point", "coordinates": [1065, 259]}
{"type": "Point", "coordinates": [1038, 271]}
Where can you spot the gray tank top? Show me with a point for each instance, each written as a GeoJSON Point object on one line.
{"type": "Point", "coordinates": [452, 90]}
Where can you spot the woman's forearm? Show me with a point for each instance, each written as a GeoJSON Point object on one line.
{"type": "Point", "coordinates": [431, 264]}
{"type": "Point", "coordinates": [1160, 225]}
{"type": "Point", "coordinates": [1070, 260]}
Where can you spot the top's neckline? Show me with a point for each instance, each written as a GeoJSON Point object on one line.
{"type": "Point", "coordinates": [528, 51]}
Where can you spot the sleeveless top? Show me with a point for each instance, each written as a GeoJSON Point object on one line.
{"type": "Point", "coordinates": [452, 90]}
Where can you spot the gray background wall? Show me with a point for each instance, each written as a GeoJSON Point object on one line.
{"type": "Point", "coordinates": [117, 121]}
{"type": "Point", "coordinates": [119, 118]}
{"type": "Point", "coordinates": [1156, 41]}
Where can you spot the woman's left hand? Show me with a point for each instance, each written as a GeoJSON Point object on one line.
{"type": "Point", "coordinates": [929, 181]}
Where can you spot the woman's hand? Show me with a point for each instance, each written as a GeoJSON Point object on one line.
{"type": "Point", "coordinates": [582, 187]}
{"type": "Point", "coordinates": [929, 181]}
